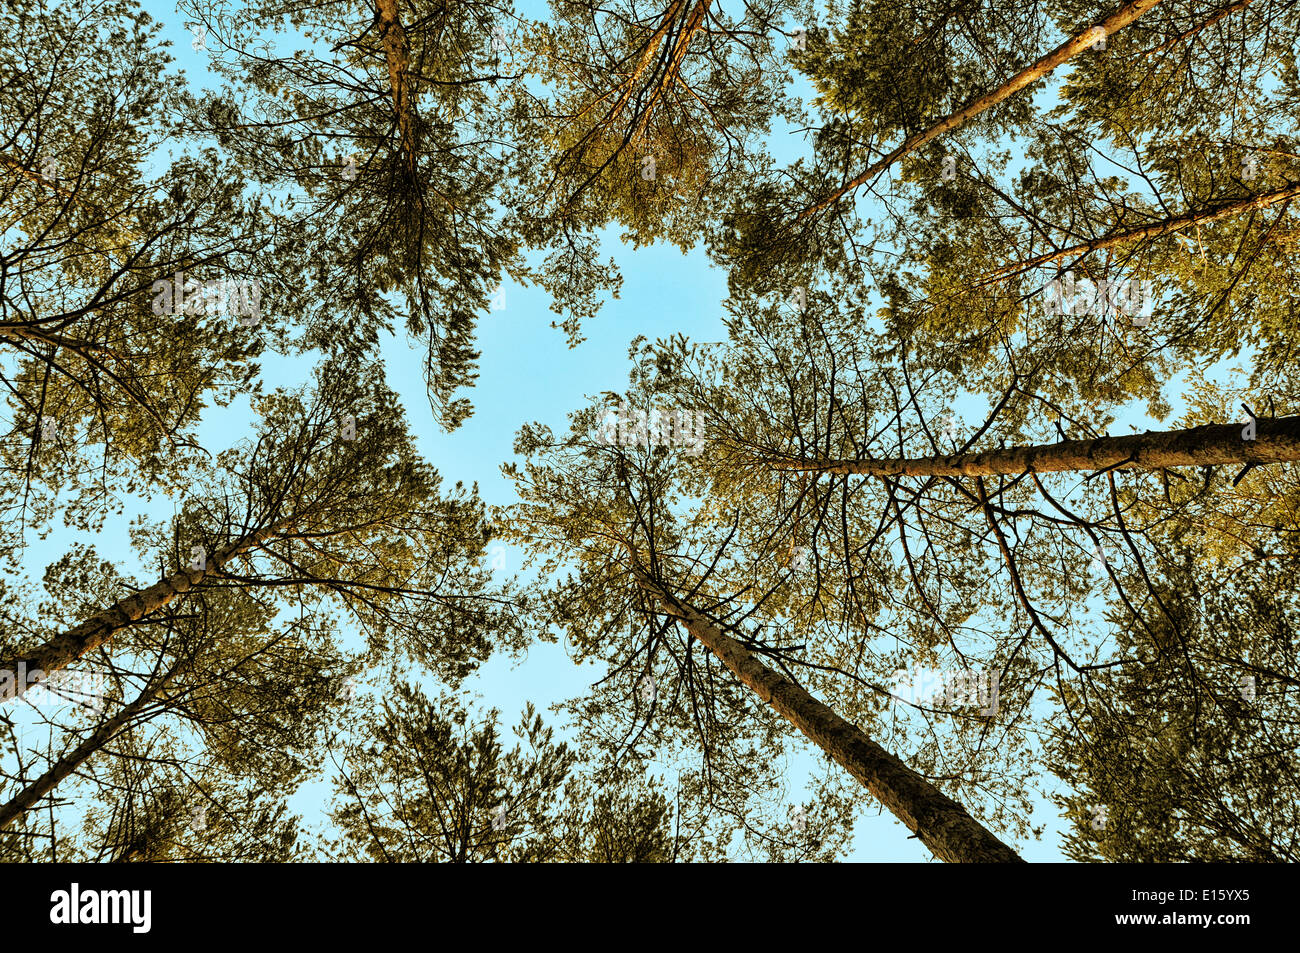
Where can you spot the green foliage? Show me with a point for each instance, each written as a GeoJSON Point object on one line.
{"type": "Point", "coordinates": [1192, 750]}
{"type": "Point", "coordinates": [385, 166]}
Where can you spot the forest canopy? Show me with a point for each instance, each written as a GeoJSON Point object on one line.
{"type": "Point", "coordinates": [948, 508]}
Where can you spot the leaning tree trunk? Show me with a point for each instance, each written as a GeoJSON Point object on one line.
{"type": "Point", "coordinates": [941, 824]}
{"type": "Point", "coordinates": [65, 648]}
{"type": "Point", "coordinates": [28, 797]}
{"type": "Point", "coordinates": [670, 75]}
{"type": "Point", "coordinates": [1165, 226]}
{"type": "Point", "coordinates": [1066, 51]}
{"type": "Point", "coordinates": [647, 54]}
{"type": "Point", "coordinates": [1276, 440]}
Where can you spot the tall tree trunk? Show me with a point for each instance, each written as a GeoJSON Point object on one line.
{"type": "Point", "coordinates": [1277, 440]}
{"type": "Point", "coordinates": [1066, 51]}
{"type": "Point", "coordinates": [32, 331]}
{"type": "Point", "coordinates": [1162, 227]}
{"type": "Point", "coordinates": [941, 824]}
{"type": "Point", "coordinates": [64, 649]}
{"type": "Point", "coordinates": [1204, 24]}
{"type": "Point", "coordinates": [27, 798]}
{"type": "Point", "coordinates": [674, 65]}
{"type": "Point", "coordinates": [397, 55]}
{"type": "Point", "coordinates": [649, 48]}
{"type": "Point", "coordinates": [668, 68]}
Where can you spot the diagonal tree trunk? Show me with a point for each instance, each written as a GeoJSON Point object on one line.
{"type": "Point", "coordinates": [674, 65]}
{"type": "Point", "coordinates": [941, 824]}
{"type": "Point", "coordinates": [667, 70]}
{"type": "Point", "coordinates": [1162, 227]}
{"type": "Point", "coordinates": [32, 331]}
{"type": "Point", "coordinates": [650, 47]}
{"type": "Point", "coordinates": [1277, 440]}
{"type": "Point", "coordinates": [28, 797]}
{"type": "Point", "coordinates": [1066, 51]}
{"type": "Point", "coordinates": [17, 167]}
{"type": "Point", "coordinates": [1203, 25]}
{"type": "Point", "coordinates": [65, 648]}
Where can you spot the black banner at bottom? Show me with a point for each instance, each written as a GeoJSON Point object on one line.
{"type": "Point", "coordinates": [142, 904]}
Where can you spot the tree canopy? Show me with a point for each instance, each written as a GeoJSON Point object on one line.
{"type": "Point", "coordinates": [981, 517]}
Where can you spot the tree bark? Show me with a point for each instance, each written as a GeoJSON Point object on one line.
{"type": "Point", "coordinates": [651, 46]}
{"type": "Point", "coordinates": [1162, 227]}
{"type": "Point", "coordinates": [64, 649]}
{"type": "Point", "coordinates": [940, 823]}
{"type": "Point", "coordinates": [1066, 51]}
{"type": "Point", "coordinates": [16, 166]}
{"type": "Point", "coordinates": [669, 77]}
{"type": "Point", "coordinates": [27, 798]}
{"type": "Point", "coordinates": [1277, 440]}
{"type": "Point", "coordinates": [32, 331]}
{"type": "Point", "coordinates": [397, 55]}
